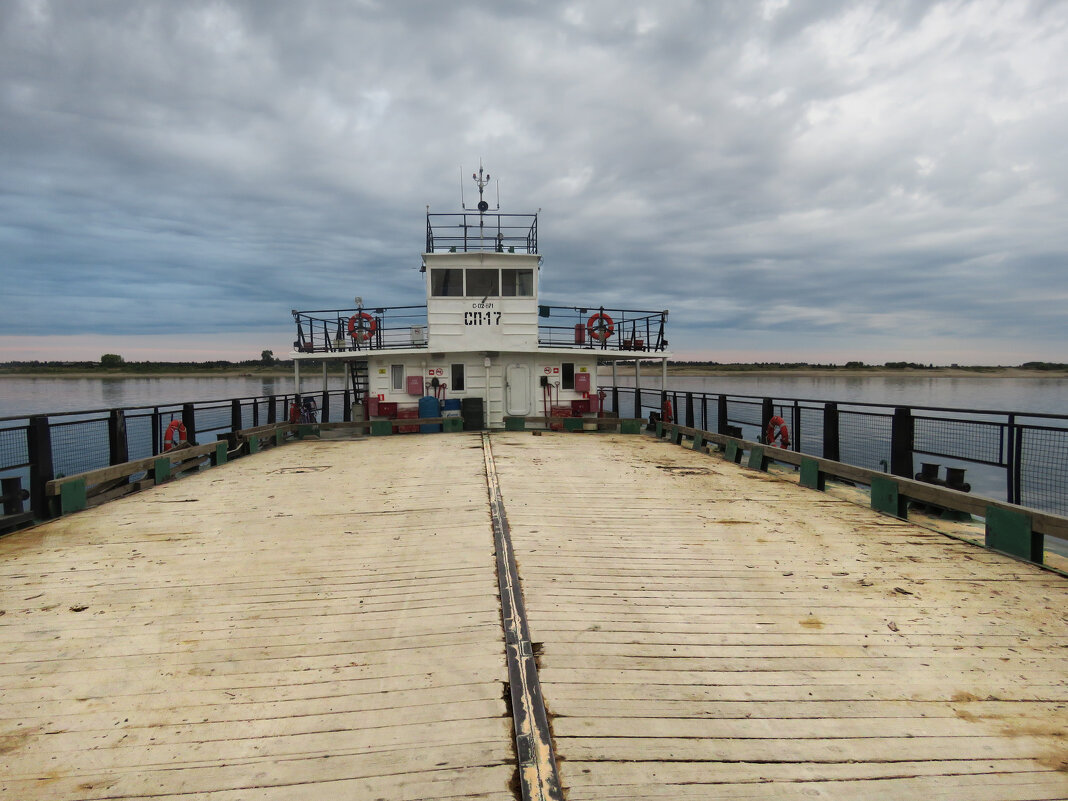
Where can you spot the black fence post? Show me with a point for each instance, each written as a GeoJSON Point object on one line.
{"type": "Point", "coordinates": [272, 410]}
{"type": "Point", "coordinates": [797, 427]}
{"type": "Point", "coordinates": [235, 416]}
{"type": "Point", "coordinates": [637, 402]}
{"type": "Point", "coordinates": [256, 413]}
{"type": "Point", "coordinates": [325, 416]}
{"type": "Point", "coordinates": [615, 400]}
{"type": "Point", "coordinates": [118, 445]}
{"type": "Point", "coordinates": [1017, 461]}
{"type": "Point", "coordinates": [689, 410]}
{"type": "Point", "coordinates": [663, 406]}
{"type": "Point", "coordinates": [39, 448]}
{"type": "Point", "coordinates": [767, 411]}
{"type": "Point", "coordinates": [189, 420]}
{"type": "Point", "coordinates": [721, 415]}
{"type": "Point", "coordinates": [831, 447]}
{"type": "Point", "coordinates": [156, 427]}
{"type": "Point", "coordinates": [346, 411]}
{"type": "Point", "coordinates": [901, 442]}
{"type": "Point", "coordinates": [704, 412]}
{"type": "Point", "coordinates": [1009, 458]}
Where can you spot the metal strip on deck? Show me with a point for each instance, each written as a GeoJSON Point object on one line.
{"type": "Point", "coordinates": [539, 779]}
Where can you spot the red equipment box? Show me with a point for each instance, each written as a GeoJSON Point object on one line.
{"type": "Point", "coordinates": [415, 385]}
{"type": "Point", "coordinates": [387, 409]}
{"type": "Point", "coordinates": [580, 406]}
{"type": "Point", "coordinates": [408, 414]}
{"type": "Point", "coordinates": [559, 411]}
{"type": "Point", "coordinates": [582, 382]}
{"type": "Point", "coordinates": [580, 334]}
{"type": "Point", "coordinates": [372, 407]}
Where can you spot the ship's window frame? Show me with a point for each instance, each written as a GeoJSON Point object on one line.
{"type": "Point", "coordinates": [473, 288]}
{"type": "Point", "coordinates": [456, 376]}
{"type": "Point", "coordinates": [396, 384]}
{"type": "Point", "coordinates": [447, 282]}
{"type": "Point", "coordinates": [517, 283]}
{"type": "Point", "coordinates": [567, 375]}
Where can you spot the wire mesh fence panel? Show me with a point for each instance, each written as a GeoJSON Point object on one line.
{"type": "Point", "coordinates": [80, 445]}
{"type": "Point", "coordinates": [970, 440]}
{"type": "Point", "coordinates": [139, 436]}
{"type": "Point", "coordinates": [810, 438]}
{"type": "Point", "coordinates": [1044, 468]}
{"type": "Point", "coordinates": [745, 412]}
{"type": "Point", "coordinates": [865, 439]}
{"type": "Point", "coordinates": [212, 420]}
{"type": "Point", "coordinates": [14, 451]}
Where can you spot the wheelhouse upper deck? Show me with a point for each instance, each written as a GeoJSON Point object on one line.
{"type": "Point", "coordinates": [482, 275]}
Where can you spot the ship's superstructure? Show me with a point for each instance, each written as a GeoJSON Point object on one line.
{"type": "Point", "coordinates": [483, 337]}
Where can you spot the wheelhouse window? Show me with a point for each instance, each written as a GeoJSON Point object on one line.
{"type": "Point", "coordinates": [517, 283]}
{"type": "Point", "coordinates": [396, 374]}
{"type": "Point", "coordinates": [483, 284]}
{"type": "Point", "coordinates": [457, 384]}
{"type": "Point", "coordinates": [446, 283]}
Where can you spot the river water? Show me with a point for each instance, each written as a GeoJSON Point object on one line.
{"type": "Point", "coordinates": [24, 396]}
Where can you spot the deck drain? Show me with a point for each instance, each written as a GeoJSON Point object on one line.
{"type": "Point", "coordinates": [311, 468]}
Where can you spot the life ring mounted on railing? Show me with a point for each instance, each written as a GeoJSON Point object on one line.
{"type": "Point", "coordinates": [600, 326]}
{"type": "Point", "coordinates": [362, 327]}
{"type": "Point", "coordinates": [175, 427]}
{"type": "Point", "coordinates": [777, 431]}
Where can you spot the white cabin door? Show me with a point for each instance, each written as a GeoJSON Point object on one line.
{"type": "Point", "coordinates": [517, 390]}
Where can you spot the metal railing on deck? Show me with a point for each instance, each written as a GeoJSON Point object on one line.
{"type": "Point", "coordinates": [491, 231]}
{"type": "Point", "coordinates": [356, 330]}
{"type": "Point", "coordinates": [601, 328]}
{"type": "Point", "coordinates": [1019, 457]}
{"type": "Point", "coordinates": [37, 449]}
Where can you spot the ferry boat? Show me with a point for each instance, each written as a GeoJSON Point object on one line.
{"type": "Point", "coordinates": [483, 345]}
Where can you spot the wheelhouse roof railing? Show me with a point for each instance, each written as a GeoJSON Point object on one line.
{"type": "Point", "coordinates": [474, 231]}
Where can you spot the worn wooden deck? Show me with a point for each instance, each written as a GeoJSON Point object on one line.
{"type": "Point", "coordinates": [322, 621]}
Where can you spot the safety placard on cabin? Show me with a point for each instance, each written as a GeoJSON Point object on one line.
{"type": "Point", "coordinates": [434, 372]}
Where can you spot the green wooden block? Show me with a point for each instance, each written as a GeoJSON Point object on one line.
{"type": "Point", "coordinates": [279, 437]}
{"type": "Point", "coordinates": [630, 427]}
{"type": "Point", "coordinates": [886, 498]}
{"type": "Point", "coordinates": [162, 470]}
{"type": "Point", "coordinates": [219, 457]}
{"type": "Point", "coordinates": [698, 442]}
{"type": "Point", "coordinates": [676, 437]}
{"type": "Point", "coordinates": [757, 459]}
{"type": "Point", "coordinates": [453, 425]}
{"type": "Point", "coordinates": [572, 424]}
{"type": "Point", "coordinates": [72, 497]}
{"type": "Point", "coordinates": [659, 429]}
{"type": "Point", "coordinates": [381, 428]}
{"type": "Point", "coordinates": [515, 423]}
{"type": "Point", "coordinates": [307, 430]}
{"type": "Point", "coordinates": [811, 475]}
{"type": "Point", "coordinates": [254, 444]}
{"type": "Point", "coordinates": [733, 452]}
{"type": "Point", "coordinates": [1010, 532]}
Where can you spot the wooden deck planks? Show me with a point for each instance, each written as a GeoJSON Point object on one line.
{"type": "Point", "coordinates": [707, 631]}
{"type": "Point", "coordinates": [317, 621]}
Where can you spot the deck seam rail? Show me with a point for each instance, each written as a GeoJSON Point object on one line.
{"type": "Point", "coordinates": [539, 776]}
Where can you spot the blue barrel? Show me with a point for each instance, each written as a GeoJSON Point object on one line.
{"type": "Point", "coordinates": [452, 405]}
{"type": "Point", "coordinates": [429, 407]}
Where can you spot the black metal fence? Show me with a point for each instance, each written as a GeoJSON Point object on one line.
{"type": "Point", "coordinates": [37, 449]}
{"type": "Point", "coordinates": [1019, 457]}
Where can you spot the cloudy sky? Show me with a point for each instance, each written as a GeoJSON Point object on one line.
{"type": "Point", "coordinates": [795, 180]}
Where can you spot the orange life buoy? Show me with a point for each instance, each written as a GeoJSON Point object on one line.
{"type": "Point", "coordinates": [600, 326]}
{"type": "Point", "coordinates": [666, 413]}
{"type": "Point", "coordinates": [777, 430]}
{"type": "Point", "coordinates": [175, 427]}
{"type": "Point", "coordinates": [362, 326]}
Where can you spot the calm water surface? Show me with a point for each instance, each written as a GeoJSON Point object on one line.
{"type": "Point", "coordinates": [19, 396]}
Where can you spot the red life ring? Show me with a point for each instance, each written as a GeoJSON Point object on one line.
{"type": "Point", "coordinates": [777, 430]}
{"type": "Point", "coordinates": [362, 326]}
{"type": "Point", "coordinates": [666, 412]}
{"type": "Point", "coordinates": [176, 426]}
{"type": "Point", "coordinates": [600, 326]}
